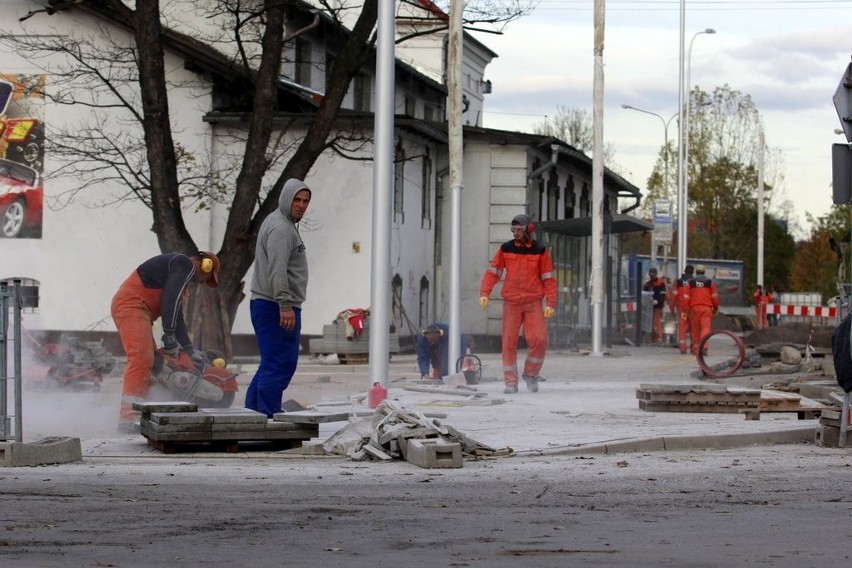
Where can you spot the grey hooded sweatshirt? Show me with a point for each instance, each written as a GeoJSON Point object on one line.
{"type": "Point", "coordinates": [280, 263]}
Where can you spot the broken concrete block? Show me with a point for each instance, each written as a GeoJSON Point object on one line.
{"type": "Point", "coordinates": [41, 452]}
{"type": "Point", "coordinates": [434, 453]}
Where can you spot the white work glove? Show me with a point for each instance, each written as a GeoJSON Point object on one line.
{"type": "Point", "coordinates": [483, 302]}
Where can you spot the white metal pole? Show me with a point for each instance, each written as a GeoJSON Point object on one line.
{"type": "Point", "coordinates": [685, 141]}
{"type": "Point", "coordinates": [383, 154]}
{"type": "Point", "coordinates": [681, 198]}
{"type": "Point", "coordinates": [760, 215]}
{"type": "Point", "coordinates": [454, 79]}
{"type": "Point", "coordinates": [598, 256]}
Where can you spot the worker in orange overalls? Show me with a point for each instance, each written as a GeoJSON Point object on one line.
{"type": "Point", "coordinates": [680, 305]}
{"type": "Point", "coordinates": [761, 302]}
{"type": "Point", "coordinates": [529, 280]}
{"type": "Point", "coordinates": [703, 305]}
{"type": "Point", "coordinates": [657, 286]}
{"type": "Point", "coordinates": [156, 289]}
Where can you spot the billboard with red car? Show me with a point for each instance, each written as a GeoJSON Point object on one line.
{"type": "Point", "coordinates": [22, 138]}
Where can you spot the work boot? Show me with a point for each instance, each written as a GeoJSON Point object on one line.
{"type": "Point", "coordinates": [532, 383]}
{"type": "Point", "coordinates": [510, 389]}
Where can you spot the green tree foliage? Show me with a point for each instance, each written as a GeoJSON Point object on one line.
{"type": "Point", "coordinates": [824, 258]}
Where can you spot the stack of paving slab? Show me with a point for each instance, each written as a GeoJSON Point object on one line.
{"type": "Point", "coordinates": [696, 398]}
{"type": "Point", "coordinates": [724, 399]}
{"type": "Point", "coordinates": [172, 426]}
{"type": "Point", "coordinates": [334, 340]}
{"type": "Point", "coordinates": [828, 430]}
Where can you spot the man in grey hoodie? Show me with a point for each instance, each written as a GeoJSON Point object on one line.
{"type": "Point", "coordinates": [277, 292]}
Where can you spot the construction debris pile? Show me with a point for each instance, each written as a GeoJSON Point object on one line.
{"type": "Point", "coordinates": [394, 432]}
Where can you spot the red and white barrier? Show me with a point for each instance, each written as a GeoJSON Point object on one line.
{"type": "Point", "coordinates": [792, 310]}
{"type": "Point", "coordinates": [777, 309]}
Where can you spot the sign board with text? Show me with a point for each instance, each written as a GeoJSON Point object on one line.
{"type": "Point", "coordinates": [663, 221]}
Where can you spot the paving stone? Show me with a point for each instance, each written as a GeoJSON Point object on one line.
{"type": "Point", "coordinates": [434, 453]}
{"type": "Point", "coordinates": [311, 417]}
{"type": "Point", "coordinates": [173, 406]}
{"type": "Point", "coordinates": [164, 418]}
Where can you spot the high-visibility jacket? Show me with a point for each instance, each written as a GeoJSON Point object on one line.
{"type": "Point", "coordinates": [680, 295]}
{"type": "Point", "coordinates": [702, 292]}
{"type": "Point", "coordinates": [529, 273]}
{"type": "Point", "coordinates": [659, 288]}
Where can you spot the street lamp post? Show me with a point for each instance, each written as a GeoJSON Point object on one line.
{"type": "Point", "coordinates": [665, 159]}
{"type": "Point", "coordinates": [666, 124]}
{"type": "Point", "coordinates": [683, 167]}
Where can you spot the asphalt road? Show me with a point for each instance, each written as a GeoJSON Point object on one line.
{"type": "Point", "coordinates": [764, 506]}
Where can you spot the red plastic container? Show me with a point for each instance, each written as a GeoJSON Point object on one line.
{"type": "Point", "coordinates": [376, 395]}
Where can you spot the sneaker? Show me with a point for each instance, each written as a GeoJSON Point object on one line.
{"type": "Point", "coordinates": [532, 383]}
{"type": "Point", "coordinates": [510, 389]}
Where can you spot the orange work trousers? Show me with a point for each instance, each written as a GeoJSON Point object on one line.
{"type": "Point", "coordinates": [134, 309]}
{"type": "Point", "coordinates": [760, 319]}
{"type": "Point", "coordinates": [682, 328]}
{"type": "Point", "coordinates": [700, 320]}
{"type": "Point", "coordinates": [657, 325]}
{"type": "Point", "coordinates": [530, 316]}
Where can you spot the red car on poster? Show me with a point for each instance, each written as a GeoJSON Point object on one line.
{"type": "Point", "coordinates": [21, 200]}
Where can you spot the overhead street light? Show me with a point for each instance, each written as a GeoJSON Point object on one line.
{"type": "Point", "coordinates": [683, 163]}
{"type": "Point", "coordinates": [665, 160]}
{"type": "Point", "coordinates": [665, 140]}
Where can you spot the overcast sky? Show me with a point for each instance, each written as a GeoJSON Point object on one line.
{"type": "Point", "coordinates": [789, 55]}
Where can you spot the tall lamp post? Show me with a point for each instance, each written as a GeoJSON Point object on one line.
{"type": "Point", "coordinates": [665, 158]}
{"type": "Point", "coordinates": [683, 166]}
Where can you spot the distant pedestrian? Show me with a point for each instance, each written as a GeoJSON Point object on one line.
{"type": "Point", "coordinates": [771, 316]}
{"type": "Point", "coordinates": [278, 289]}
{"type": "Point", "coordinates": [703, 305]}
{"type": "Point", "coordinates": [680, 301]}
{"type": "Point", "coordinates": [529, 297]}
{"type": "Point", "coordinates": [761, 302]}
{"type": "Point", "coordinates": [657, 287]}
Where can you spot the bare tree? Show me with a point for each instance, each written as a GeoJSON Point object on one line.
{"type": "Point", "coordinates": [132, 85]}
{"type": "Point", "coordinates": [574, 126]}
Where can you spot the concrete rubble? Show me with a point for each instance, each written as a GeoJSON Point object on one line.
{"type": "Point", "coordinates": [395, 432]}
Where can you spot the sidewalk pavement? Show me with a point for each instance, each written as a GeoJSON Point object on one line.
{"type": "Point", "coordinates": [587, 405]}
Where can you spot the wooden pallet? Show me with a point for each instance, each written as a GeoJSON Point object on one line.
{"type": "Point", "coordinates": [224, 446]}
{"type": "Point", "coordinates": [173, 427]}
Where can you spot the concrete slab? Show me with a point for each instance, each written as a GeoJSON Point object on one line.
{"type": "Point", "coordinates": [41, 452]}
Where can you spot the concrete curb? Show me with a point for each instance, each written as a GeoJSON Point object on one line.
{"type": "Point", "coordinates": [673, 443]}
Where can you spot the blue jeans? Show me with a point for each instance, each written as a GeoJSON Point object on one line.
{"type": "Point", "coordinates": [279, 354]}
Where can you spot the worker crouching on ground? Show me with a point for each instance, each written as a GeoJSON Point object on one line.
{"type": "Point", "coordinates": [156, 289]}
{"type": "Point", "coordinates": [433, 351]}
{"type": "Point", "coordinates": [529, 279]}
{"type": "Point", "coordinates": [703, 305]}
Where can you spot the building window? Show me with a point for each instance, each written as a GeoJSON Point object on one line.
{"type": "Point", "coordinates": [361, 91]}
{"type": "Point", "coordinates": [428, 112]}
{"type": "Point", "coordinates": [426, 193]}
{"type": "Point", "coordinates": [399, 184]}
{"type": "Point", "coordinates": [303, 63]}
{"type": "Point", "coordinates": [424, 302]}
{"type": "Point", "coordinates": [396, 304]}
